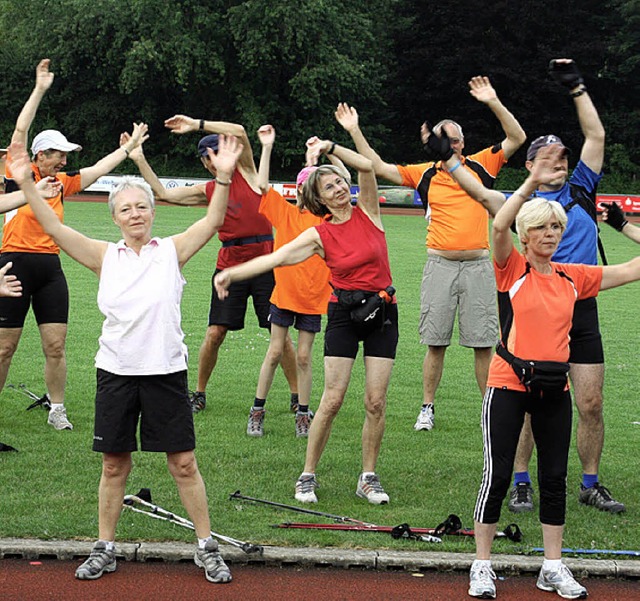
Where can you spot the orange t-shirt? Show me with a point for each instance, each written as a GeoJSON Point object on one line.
{"type": "Point", "coordinates": [22, 232]}
{"type": "Point", "coordinates": [457, 221]}
{"type": "Point", "coordinates": [302, 288]}
{"type": "Point", "coordinates": [538, 310]}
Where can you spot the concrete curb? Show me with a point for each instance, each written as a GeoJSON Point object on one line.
{"type": "Point", "coordinates": [310, 557]}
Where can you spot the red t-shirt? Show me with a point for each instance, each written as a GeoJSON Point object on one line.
{"type": "Point", "coordinates": [540, 309]}
{"type": "Point", "coordinates": [356, 253]}
{"type": "Point", "coordinates": [241, 221]}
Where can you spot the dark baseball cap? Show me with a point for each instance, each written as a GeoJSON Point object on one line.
{"type": "Point", "coordinates": [210, 141]}
{"type": "Point", "coordinates": [541, 142]}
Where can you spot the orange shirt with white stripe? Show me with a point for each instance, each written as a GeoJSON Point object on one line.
{"type": "Point", "coordinates": [457, 221]}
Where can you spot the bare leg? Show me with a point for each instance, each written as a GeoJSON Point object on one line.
{"type": "Point", "coordinates": [552, 541]}
{"type": "Point", "coordinates": [482, 360]}
{"type": "Point", "coordinates": [432, 372]}
{"type": "Point", "coordinates": [337, 373]}
{"type": "Point", "coordinates": [208, 357]}
{"type": "Point", "coordinates": [587, 383]}
{"type": "Point", "coordinates": [288, 363]}
{"type": "Point", "coordinates": [484, 534]}
{"type": "Point", "coordinates": [184, 469]}
{"type": "Point", "coordinates": [115, 471]}
{"type": "Point", "coordinates": [378, 373]}
{"type": "Point", "coordinates": [54, 336]}
{"type": "Point", "coordinates": [9, 338]}
{"type": "Point", "coordinates": [525, 447]}
{"type": "Point", "coordinates": [303, 361]}
{"type": "Point", "coordinates": [279, 335]}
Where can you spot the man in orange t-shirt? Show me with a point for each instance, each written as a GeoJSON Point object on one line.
{"type": "Point", "coordinates": [458, 276]}
{"type": "Point", "coordinates": [35, 256]}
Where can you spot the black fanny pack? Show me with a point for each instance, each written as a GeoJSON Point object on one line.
{"type": "Point", "coordinates": [365, 307]}
{"type": "Point", "coordinates": [536, 376]}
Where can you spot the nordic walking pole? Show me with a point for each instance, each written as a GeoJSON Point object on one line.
{"type": "Point", "coordinates": [593, 551]}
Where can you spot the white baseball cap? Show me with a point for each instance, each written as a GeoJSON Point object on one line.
{"type": "Point", "coordinates": [52, 139]}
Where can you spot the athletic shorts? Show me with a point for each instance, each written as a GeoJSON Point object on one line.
{"type": "Point", "coordinates": [300, 321]}
{"type": "Point", "coordinates": [468, 287]}
{"type": "Point", "coordinates": [160, 403]}
{"type": "Point", "coordinates": [586, 342]}
{"type": "Point", "coordinates": [342, 336]}
{"type": "Point", "coordinates": [44, 287]}
{"type": "Point", "coordinates": [230, 312]}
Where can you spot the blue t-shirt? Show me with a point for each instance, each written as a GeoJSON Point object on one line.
{"type": "Point", "coordinates": [579, 243]}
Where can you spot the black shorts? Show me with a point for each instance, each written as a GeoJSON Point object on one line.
{"type": "Point", "coordinates": [586, 342]}
{"type": "Point", "coordinates": [160, 402]}
{"type": "Point", "coordinates": [43, 286]}
{"type": "Point", "coordinates": [306, 322]}
{"type": "Point", "coordinates": [231, 311]}
{"type": "Point", "coordinates": [342, 336]}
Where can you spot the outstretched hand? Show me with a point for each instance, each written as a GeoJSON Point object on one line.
{"type": "Point", "coordinates": [139, 135]}
{"type": "Point", "coordinates": [20, 163]}
{"type": "Point", "coordinates": [226, 159]}
{"type": "Point", "coordinates": [613, 215]}
{"type": "Point", "coordinates": [49, 187]}
{"type": "Point", "coordinates": [9, 284]}
{"type": "Point", "coordinates": [347, 116]}
{"type": "Point", "coordinates": [437, 146]}
{"type": "Point", "coordinates": [481, 89]}
{"type": "Point", "coordinates": [548, 164]}
{"type": "Point", "coordinates": [44, 77]}
{"type": "Point", "coordinates": [565, 72]}
{"type": "Point", "coordinates": [222, 281]}
{"type": "Point", "coordinates": [267, 135]}
{"type": "Point", "coordinates": [181, 124]}
{"type": "Point", "coordinates": [136, 153]}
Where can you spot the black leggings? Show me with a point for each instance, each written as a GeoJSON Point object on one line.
{"type": "Point", "coordinates": [503, 414]}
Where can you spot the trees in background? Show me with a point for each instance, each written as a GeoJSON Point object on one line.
{"type": "Point", "coordinates": [290, 62]}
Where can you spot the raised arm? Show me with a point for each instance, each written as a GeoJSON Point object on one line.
{"type": "Point", "coordinates": [267, 137]}
{"type": "Point", "coordinates": [301, 248]}
{"type": "Point", "coordinates": [618, 275]}
{"type": "Point", "coordinates": [196, 236]}
{"type": "Point", "coordinates": [48, 187]}
{"type": "Point", "coordinates": [613, 215]}
{"type": "Point", "coordinates": [85, 250]}
{"type": "Point", "coordinates": [181, 124]}
{"type": "Point", "coordinates": [44, 79]}
{"type": "Point", "coordinates": [566, 73]}
{"type": "Point", "coordinates": [111, 161]}
{"type": "Point", "coordinates": [347, 116]}
{"type": "Point", "coordinates": [544, 169]}
{"type": "Point", "coordinates": [481, 89]}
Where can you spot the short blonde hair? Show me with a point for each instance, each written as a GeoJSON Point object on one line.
{"type": "Point", "coordinates": [537, 212]}
{"type": "Point", "coordinates": [311, 199]}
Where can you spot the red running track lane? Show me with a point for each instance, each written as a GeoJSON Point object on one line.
{"type": "Point", "coordinates": [53, 580]}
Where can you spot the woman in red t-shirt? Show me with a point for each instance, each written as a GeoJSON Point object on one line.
{"type": "Point", "coordinates": [352, 242]}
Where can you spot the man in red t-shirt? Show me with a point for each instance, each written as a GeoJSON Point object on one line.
{"type": "Point", "coordinates": [245, 234]}
{"type": "Point", "coordinates": [35, 256]}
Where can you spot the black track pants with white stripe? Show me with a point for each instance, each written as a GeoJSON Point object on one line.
{"type": "Point", "coordinates": [503, 414]}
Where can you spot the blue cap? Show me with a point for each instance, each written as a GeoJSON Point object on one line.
{"type": "Point", "coordinates": [210, 141]}
{"type": "Point", "coordinates": [541, 142]}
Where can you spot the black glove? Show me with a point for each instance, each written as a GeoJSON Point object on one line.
{"type": "Point", "coordinates": [566, 74]}
{"type": "Point", "coordinates": [615, 216]}
{"type": "Point", "coordinates": [438, 147]}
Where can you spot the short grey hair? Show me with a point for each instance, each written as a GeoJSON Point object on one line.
{"type": "Point", "coordinates": [438, 127]}
{"type": "Point", "coordinates": [536, 212]}
{"type": "Point", "coordinates": [130, 183]}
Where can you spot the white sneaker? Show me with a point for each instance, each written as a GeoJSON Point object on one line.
{"type": "Point", "coordinates": [306, 489]}
{"type": "Point", "coordinates": [562, 582]}
{"type": "Point", "coordinates": [369, 488]}
{"type": "Point", "coordinates": [425, 419]}
{"type": "Point", "coordinates": [481, 582]}
{"type": "Point", "coordinates": [58, 419]}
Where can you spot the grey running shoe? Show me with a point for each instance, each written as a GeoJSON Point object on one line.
{"type": "Point", "coordinates": [425, 419]}
{"type": "Point", "coordinates": [303, 422]}
{"type": "Point", "coordinates": [521, 498]}
{"type": "Point", "coordinates": [562, 582]}
{"type": "Point", "coordinates": [256, 422]}
{"type": "Point", "coordinates": [369, 488]}
{"type": "Point", "coordinates": [58, 419]}
{"type": "Point", "coordinates": [209, 558]}
{"type": "Point", "coordinates": [198, 401]}
{"type": "Point", "coordinates": [481, 582]}
{"type": "Point", "coordinates": [99, 562]}
{"type": "Point", "coordinates": [306, 489]}
{"type": "Point", "coordinates": [600, 497]}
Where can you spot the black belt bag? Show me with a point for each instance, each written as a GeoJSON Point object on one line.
{"type": "Point", "coordinates": [536, 376]}
{"type": "Point", "coordinates": [366, 307]}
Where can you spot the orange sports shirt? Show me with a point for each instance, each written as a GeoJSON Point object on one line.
{"type": "Point", "coordinates": [539, 310]}
{"type": "Point", "coordinates": [457, 221]}
{"type": "Point", "coordinates": [302, 288]}
{"type": "Point", "coordinates": [22, 232]}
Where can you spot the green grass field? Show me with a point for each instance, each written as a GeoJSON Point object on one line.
{"type": "Point", "coordinates": [49, 489]}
